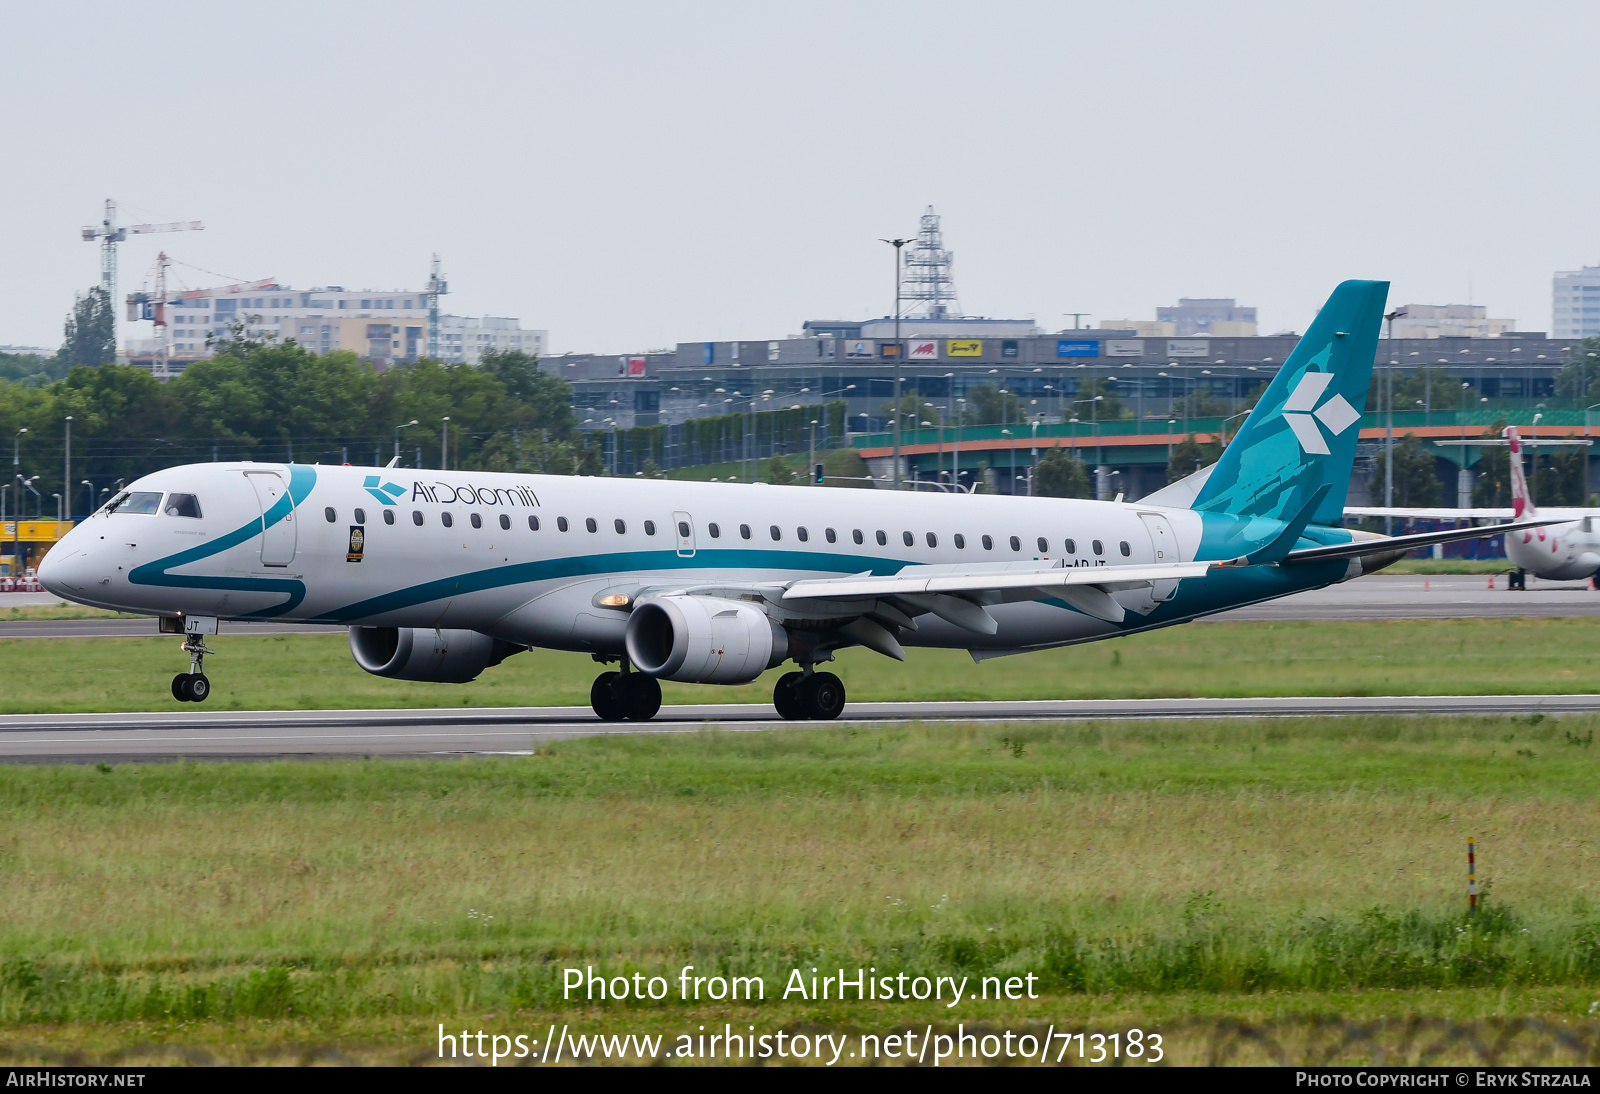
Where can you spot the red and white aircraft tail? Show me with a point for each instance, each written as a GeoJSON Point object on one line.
{"type": "Point", "coordinates": [1521, 503]}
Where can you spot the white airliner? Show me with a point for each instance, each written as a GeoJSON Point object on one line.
{"type": "Point", "coordinates": [1567, 549]}
{"type": "Point", "coordinates": [439, 575]}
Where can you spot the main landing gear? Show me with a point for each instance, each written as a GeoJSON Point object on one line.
{"type": "Point", "coordinates": [809, 696]}
{"type": "Point", "coordinates": [625, 696]}
{"type": "Point", "coordinates": [192, 686]}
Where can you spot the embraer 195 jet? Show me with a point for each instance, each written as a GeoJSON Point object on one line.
{"type": "Point", "coordinates": [441, 575]}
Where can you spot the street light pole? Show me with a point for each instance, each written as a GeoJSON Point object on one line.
{"type": "Point", "coordinates": [444, 445]}
{"type": "Point", "coordinates": [66, 478]}
{"type": "Point", "coordinates": [896, 244]}
{"type": "Point", "coordinates": [16, 525]}
{"type": "Point", "coordinates": [397, 430]}
{"type": "Point", "coordinates": [1388, 437]}
{"type": "Point", "coordinates": [90, 485]}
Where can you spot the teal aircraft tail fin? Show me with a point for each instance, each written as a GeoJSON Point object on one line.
{"type": "Point", "coordinates": [1301, 436]}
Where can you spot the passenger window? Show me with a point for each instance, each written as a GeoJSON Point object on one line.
{"type": "Point", "coordinates": [908, 539]}
{"type": "Point", "coordinates": [533, 523]}
{"type": "Point", "coordinates": [802, 534]}
{"type": "Point", "coordinates": [1072, 547]}
{"type": "Point", "coordinates": [1044, 546]}
{"type": "Point", "coordinates": [988, 543]}
{"type": "Point", "coordinates": [1099, 548]}
{"type": "Point", "coordinates": [183, 505]}
{"type": "Point", "coordinates": [883, 538]}
{"type": "Point", "coordinates": [1126, 550]}
{"type": "Point", "coordinates": [961, 542]}
{"type": "Point", "coordinates": [744, 531]}
{"type": "Point", "coordinates": [361, 516]}
{"type": "Point", "coordinates": [477, 521]}
{"type": "Point", "coordinates": [683, 529]}
{"type": "Point", "coordinates": [416, 517]}
{"type": "Point", "coordinates": [327, 513]}
{"type": "Point", "coordinates": [589, 523]}
{"type": "Point", "coordinates": [715, 530]}
{"type": "Point", "coordinates": [933, 540]}
{"type": "Point", "coordinates": [833, 537]}
{"type": "Point", "coordinates": [777, 534]}
{"type": "Point", "coordinates": [505, 523]}
{"type": "Point", "coordinates": [561, 524]}
{"type": "Point", "coordinates": [649, 527]}
{"type": "Point", "coordinates": [1016, 544]}
{"type": "Point", "coordinates": [856, 535]}
{"type": "Point", "coordinates": [621, 526]}
{"type": "Point", "coordinates": [447, 519]}
{"type": "Point", "coordinates": [388, 516]}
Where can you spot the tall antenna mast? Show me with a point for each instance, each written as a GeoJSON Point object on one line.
{"type": "Point", "coordinates": [929, 287]}
{"type": "Point", "coordinates": [437, 287]}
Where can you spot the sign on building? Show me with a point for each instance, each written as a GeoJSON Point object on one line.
{"type": "Point", "coordinates": [1008, 348]}
{"type": "Point", "coordinates": [1124, 347]}
{"type": "Point", "coordinates": [636, 366]}
{"type": "Point", "coordinates": [1077, 347]}
{"type": "Point", "coordinates": [859, 348]}
{"type": "Point", "coordinates": [1188, 347]}
{"type": "Point", "coordinates": [772, 351]}
{"type": "Point", "coordinates": [964, 347]}
{"type": "Point", "coordinates": [924, 349]}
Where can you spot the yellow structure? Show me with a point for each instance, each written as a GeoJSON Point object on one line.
{"type": "Point", "coordinates": [32, 538]}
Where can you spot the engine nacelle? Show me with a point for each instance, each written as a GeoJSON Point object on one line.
{"type": "Point", "coordinates": [427, 653]}
{"type": "Point", "coordinates": [703, 639]}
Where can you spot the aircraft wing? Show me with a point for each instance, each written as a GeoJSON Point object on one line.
{"type": "Point", "coordinates": [986, 577]}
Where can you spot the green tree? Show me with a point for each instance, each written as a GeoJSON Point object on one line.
{"type": "Point", "coordinates": [1562, 479]}
{"type": "Point", "coordinates": [990, 405]}
{"type": "Point", "coordinates": [1189, 456]}
{"type": "Point", "coordinates": [1492, 490]}
{"type": "Point", "coordinates": [1579, 376]}
{"type": "Point", "coordinates": [91, 336]}
{"type": "Point", "coordinates": [1108, 405]}
{"type": "Point", "coordinates": [1416, 476]}
{"type": "Point", "coordinates": [1060, 475]}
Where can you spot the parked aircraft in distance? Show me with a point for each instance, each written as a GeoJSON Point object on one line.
{"type": "Point", "coordinates": [1565, 548]}
{"type": "Point", "coordinates": [439, 575]}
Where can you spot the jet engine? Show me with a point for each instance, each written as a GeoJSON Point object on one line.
{"type": "Point", "coordinates": [427, 653]}
{"type": "Point", "coordinates": [703, 639]}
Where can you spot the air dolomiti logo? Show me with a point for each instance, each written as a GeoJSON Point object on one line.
{"type": "Point", "coordinates": [1300, 408]}
{"type": "Point", "coordinates": [444, 493]}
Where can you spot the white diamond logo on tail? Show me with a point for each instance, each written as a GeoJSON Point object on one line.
{"type": "Point", "coordinates": [1307, 433]}
{"type": "Point", "coordinates": [1336, 414]}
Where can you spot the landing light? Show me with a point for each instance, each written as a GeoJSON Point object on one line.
{"type": "Point", "coordinates": [614, 600]}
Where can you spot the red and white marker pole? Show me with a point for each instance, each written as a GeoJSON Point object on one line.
{"type": "Point", "coordinates": [1472, 877]}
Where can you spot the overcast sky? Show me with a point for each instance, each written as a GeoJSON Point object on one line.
{"type": "Point", "coordinates": [629, 176]}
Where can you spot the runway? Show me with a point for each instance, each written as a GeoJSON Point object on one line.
{"type": "Point", "coordinates": [1376, 598]}
{"type": "Point", "coordinates": [160, 735]}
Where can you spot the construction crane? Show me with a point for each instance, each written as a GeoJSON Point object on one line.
{"type": "Point", "coordinates": [110, 235]}
{"type": "Point", "coordinates": [437, 287]}
{"type": "Point", "coordinates": [153, 306]}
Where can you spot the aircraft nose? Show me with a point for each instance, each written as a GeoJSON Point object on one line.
{"type": "Point", "coordinates": [65, 571]}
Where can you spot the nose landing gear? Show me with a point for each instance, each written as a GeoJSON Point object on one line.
{"type": "Point", "coordinates": [192, 686]}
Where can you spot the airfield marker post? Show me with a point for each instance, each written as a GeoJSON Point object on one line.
{"type": "Point", "coordinates": [1472, 877]}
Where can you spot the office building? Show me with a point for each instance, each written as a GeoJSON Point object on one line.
{"type": "Point", "coordinates": [1575, 303]}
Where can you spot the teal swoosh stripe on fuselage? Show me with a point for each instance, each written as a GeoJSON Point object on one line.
{"type": "Point", "coordinates": [620, 564]}
{"type": "Point", "coordinates": [301, 481]}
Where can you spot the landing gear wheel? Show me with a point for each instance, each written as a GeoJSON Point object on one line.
{"type": "Point", "coordinates": [199, 687]}
{"type": "Point", "coordinates": [641, 695]}
{"type": "Point", "coordinates": [180, 687]}
{"type": "Point", "coordinates": [822, 696]}
{"type": "Point", "coordinates": [606, 698]}
{"type": "Point", "coordinates": [786, 697]}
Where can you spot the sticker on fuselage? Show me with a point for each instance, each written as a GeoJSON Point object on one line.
{"type": "Point", "coordinates": [358, 543]}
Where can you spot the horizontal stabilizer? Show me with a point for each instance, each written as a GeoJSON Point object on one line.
{"type": "Point", "coordinates": [1385, 544]}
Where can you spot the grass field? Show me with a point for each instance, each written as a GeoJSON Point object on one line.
{"type": "Point", "coordinates": [1161, 875]}
{"type": "Point", "coordinates": [1424, 657]}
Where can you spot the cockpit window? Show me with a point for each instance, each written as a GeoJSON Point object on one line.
{"type": "Point", "coordinates": [182, 505]}
{"type": "Point", "coordinates": [146, 502]}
